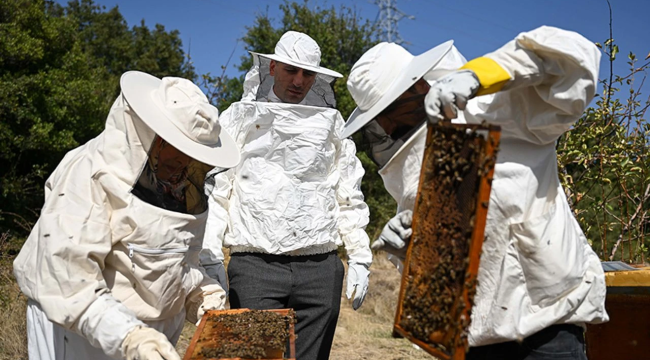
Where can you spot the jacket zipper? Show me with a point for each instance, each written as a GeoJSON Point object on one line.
{"type": "Point", "coordinates": [137, 249]}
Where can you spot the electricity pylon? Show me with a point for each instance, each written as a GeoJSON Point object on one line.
{"type": "Point", "coordinates": [387, 19]}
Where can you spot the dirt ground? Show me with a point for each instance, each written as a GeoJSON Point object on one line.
{"type": "Point", "coordinates": [366, 333]}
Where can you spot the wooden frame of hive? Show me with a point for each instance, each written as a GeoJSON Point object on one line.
{"type": "Point", "coordinates": [194, 349]}
{"type": "Point", "coordinates": [447, 340]}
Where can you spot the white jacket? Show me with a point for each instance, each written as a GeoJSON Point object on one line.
{"type": "Point", "coordinates": [537, 268]}
{"type": "Point", "coordinates": [95, 237]}
{"type": "Point", "coordinates": [297, 190]}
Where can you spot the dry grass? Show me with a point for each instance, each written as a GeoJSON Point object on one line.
{"type": "Point", "coordinates": [366, 333]}
{"type": "Point", "coordinates": [362, 334]}
{"type": "Point", "coordinates": [13, 342]}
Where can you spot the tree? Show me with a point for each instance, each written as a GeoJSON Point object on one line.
{"type": "Point", "coordinates": [59, 74]}
{"type": "Point", "coordinates": [605, 169]}
{"type": "Point", "coordinates": [343, 37]}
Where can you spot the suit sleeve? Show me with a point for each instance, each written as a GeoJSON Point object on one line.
{"type": "Point", "coordinates": [550, 77]}
{"type": "Point", "coordinates": [354, 213]}
{"type": "Point", "coordinates": [60, 266]}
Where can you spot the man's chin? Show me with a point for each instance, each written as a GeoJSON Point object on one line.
{"type": "Point", "coordinates": [292, 99]}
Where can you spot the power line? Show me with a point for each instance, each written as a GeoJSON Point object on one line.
{"type": "Point", "coordinates": [387, 20]}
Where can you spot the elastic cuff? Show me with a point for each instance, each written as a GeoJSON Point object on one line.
{"type": "Point", "coordinates": [106, 323]}
{"type": "Point", "coordinates": [310, 250]}
{"type": "Point", "coordinates": [360, 256]}
{"type": "Point", "coordinates": [490, 74]}
{"type": "Point", "coordinates": [208, 257]}
{"type": "Point", "coordinates": [211, 289]}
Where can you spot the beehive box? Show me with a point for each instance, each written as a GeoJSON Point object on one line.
{"type": "Point", "coordinates": [439, 276]}
{"type": "Point", "coordinates": [627, 334]}
{"type": "Point", "coordinates": [244, 334]}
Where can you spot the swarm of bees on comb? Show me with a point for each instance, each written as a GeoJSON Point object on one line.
{"type": "Point", "coordinates": [246, 334]}
{"type": "Point", "coordinates": [439, 278]}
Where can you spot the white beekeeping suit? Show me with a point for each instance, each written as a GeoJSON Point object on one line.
{"type": "Point", "coordinates": [537, 268]}
{"type": "Point", "coordinates": [293, 200]}
{"type": "Point", "coordinates": [298, 186]}
{"type": "Point", "coordinates": [321, 161]}
{"type": "Point", "coordinates": [108, 273]}
{"type": "Point", "coordinates": [540, 269]}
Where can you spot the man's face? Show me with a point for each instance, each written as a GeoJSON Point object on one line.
{"type": "Point", "coordinates": [291, 83]}
{"type": "Point", "coordinates": [171, 162]}
{"type": "Point", "coordinates": [406, 112]}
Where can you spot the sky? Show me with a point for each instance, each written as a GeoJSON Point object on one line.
{"type": "Point", "coordinates": [210, 29]}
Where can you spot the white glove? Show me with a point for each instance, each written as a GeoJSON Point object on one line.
{"type": "Point", "coordinates": [145, 343]}
{"type": "Point", "coordinates": [396, 234]}
{"type": "Point", "coordinates": [218, 272]}
{"type": "Point", "coordinates": [450, 94]}
{"type": "Point", "coordinates": [357, 279]}
{"type": "Point", "coordinates": [214, 301]}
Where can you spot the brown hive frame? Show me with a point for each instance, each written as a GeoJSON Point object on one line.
{"type": "Point", "coordinates": [208, 334]}
{"type": "Point", "coordinates": [441, 266]}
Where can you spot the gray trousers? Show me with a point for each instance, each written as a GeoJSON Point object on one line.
{"type": "Point", "coordinates": [311, 285]}
{"type": "Point", "coordinates": [565, 342]}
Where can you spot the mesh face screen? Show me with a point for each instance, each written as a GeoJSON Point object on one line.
{"type": "Point", "coordinates": [320, 94]}
{"type": "Point", "coordinates": [172, 181]}
{"type": "Point", "coordinates": [439, 278]}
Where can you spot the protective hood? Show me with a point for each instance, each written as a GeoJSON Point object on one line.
{"type": "Point", "coordinates": [386, 71]}
{"type": "Point", "coordinates": [368, 85]}
{"type": "Point", "coordinates": [300, 50]}
{"type": "Point", "coordinates": [258, 86]}
{"type": "Point", "coordinates": [120, 151]}
{"type": "Point", "coordinates": [179, 112]}
{"type": "Point", "coordinates": [136, 155]}
{"type": "Point", "coordinates": [401, 174]}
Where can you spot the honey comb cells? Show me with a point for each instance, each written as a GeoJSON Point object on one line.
{"type": "Point", "coordinates": [244, 334]}
{"type": "Point", "coordinates": [439, 279]}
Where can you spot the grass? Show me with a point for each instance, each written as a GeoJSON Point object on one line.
{"type": "Point", "coordinates": [13, 304]}
{"type": "Point", "coordinates": [362, 334]}
{"type": "Point", "coordinates": [367, 332]}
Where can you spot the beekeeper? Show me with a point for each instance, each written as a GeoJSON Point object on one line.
{"type": "Point", "coordinates": [294, 198]}
{"type": "Point", "coordinates": [111, 267]}
{"type": "Point", "coordinates": [539, 280]}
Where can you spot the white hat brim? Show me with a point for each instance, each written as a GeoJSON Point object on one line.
{"type": "Point", "coordinates": [138, 89]}
{"type": "Point", "coordinates": [411, 73]}
{"type": "Point", "coordinates": [318, 69]}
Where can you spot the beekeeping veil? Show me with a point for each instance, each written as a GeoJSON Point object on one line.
{"type": "Point", "coordinates": [379, 77]}
{"type": "Point", "coordinates": [188, 140]}
{"type": "Point", "coordinates": [299, 50]}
